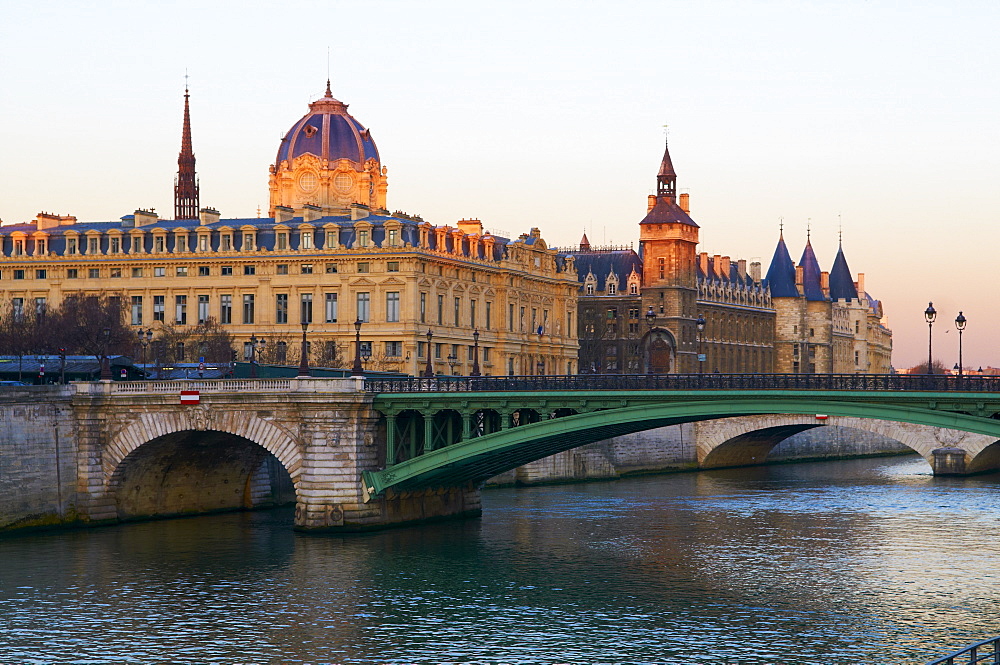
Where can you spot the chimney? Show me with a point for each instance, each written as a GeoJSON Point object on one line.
{"type": "Point", "coordinates": [703, 260]}
{"type": "Point", "coordinates": [206, 216]}
{"type": "Point", "coordinates": [46, 220]}
{"type": "Point", "coordinates": [824, 283]}
{"type": "Point", "coordinates": [310, 213]}
{"type": "Point", "coordinates": [685, 202]}
{"type": "Point", "coordinates": [359, 211]}
{"type": "Point", "coordinates": [283, 214]}
{"type": "Point", "coordinates": [145, 217]}
{"type": "Point", "coordinates": [717, 265]}
{"type": "Point", "coordinates": [725, 267]}
{"type": "Point", "coordinates": [741, 268]}
{"type": "Point", "coordinates": [860, 285]}
{"type": "Point", "coordinates": [755, 271]}
{"type": "Point", "coordinates": [799, 278]}
{"type": "Point", "coordinates": [650, 202]}
{"type": "Point", "coordinates": [471, 226]}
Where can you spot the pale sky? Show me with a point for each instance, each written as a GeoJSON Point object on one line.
{"type": "Point", "coordinates": [880, 117]}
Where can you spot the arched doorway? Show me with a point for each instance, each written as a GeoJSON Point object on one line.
{"type": "Point", "coordinates": [660, 352]}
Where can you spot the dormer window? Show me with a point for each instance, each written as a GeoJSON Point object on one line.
{"type": "Point", "coordinates": [331, 239]}
{"type": "Point", "coordinates": [363, 238]}
{"type": "Point", "coordinates": [136, 245]}
{"type": "Point", "coordinates": [181, 244]}
{"type": "Point", "coordinates": [590, 289]}
{"type": "Point", "coordinates": [159, 244]}
{"type": "Point", "coordinates": [116, 247]}
{"type": "Point", "coordinates": [393, 239]}
{"type": "Point", "coordinates": [19, 247]}
{"type": "Point", "coordinates": [633, 289]}
{"type": "Point", "coordinates": [307, 240]}
{"type": "Point", "coordinates": [612, 287]}
{"type": "Point", "coordinates": [71, 246]}
{"type": "Point", "coordinates": [281, 241]}
{"type": "Point", "coordinates": [227, 242]}
{"type": "Point", "coordinates": [92, 245]}
{"type": "Point", "coordinates": [247, 242]}
{"type": "Point", "coordinates": [203, 242]}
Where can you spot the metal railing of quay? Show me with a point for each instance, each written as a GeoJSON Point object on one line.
{"type": "Point", "coordinates": [986, 652]}
{"type": "Point", "coordinates": [902, 382]}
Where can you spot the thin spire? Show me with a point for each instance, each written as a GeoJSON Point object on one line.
{"type": "Point", "coordinates": [329, 93]}
{"type": "Point", "coordinates": [186, 184]}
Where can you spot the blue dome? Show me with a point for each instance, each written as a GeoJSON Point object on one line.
{"type": "Point", "coordinates": [329, 132]}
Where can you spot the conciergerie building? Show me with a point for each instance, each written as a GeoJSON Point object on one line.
{"type": "Point", "coordinates": [329, 254]}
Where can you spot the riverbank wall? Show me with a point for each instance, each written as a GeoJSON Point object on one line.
{"type": "Point", "coordinates": [672, 449]}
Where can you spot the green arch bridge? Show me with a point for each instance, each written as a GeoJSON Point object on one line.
{"type": "Point", "coordinates": [445, 432]}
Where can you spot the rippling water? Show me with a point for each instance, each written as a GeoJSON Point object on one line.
{"type": "Point", "coordinates": [870, 561]}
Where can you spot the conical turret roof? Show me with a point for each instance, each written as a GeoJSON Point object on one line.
{"type": "Point", "coordinates": [781, 273]}
{"type": "Point", "coordinates": [841, 282]}
{"type": "Point", "coordinates": [812, 284]}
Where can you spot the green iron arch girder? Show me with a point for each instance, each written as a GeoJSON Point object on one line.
{"type": "Point", "coordinates": [483, 457]}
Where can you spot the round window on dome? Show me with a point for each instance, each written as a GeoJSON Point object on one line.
{"type": "Point", "coordinates": [308, 181]}
{"type": "Point", "coordinates": [343, 182]}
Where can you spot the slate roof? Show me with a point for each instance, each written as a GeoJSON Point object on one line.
{"type": "Point", "coordinates": [781, 273]}
{"type": "Point", "coordinates": [733, 277]}
{"type": "Point", "coordinates": [329, 132]}
{"type": "Point", "coordinates": [601, 263]}
{"type": "Point", "coordinates": [667, 212]}
{"type": "Point", "coordinates": [812, 285]}
{"type": "Point", "coordinates": [841, 282]}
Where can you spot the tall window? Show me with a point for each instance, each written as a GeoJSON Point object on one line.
{"type": "Point", "coordinates": [331, 308]}
{"type": "Point", "coordinates": [364, 306]}
{"type": "Point", "coordinates": [136, 310]}
{"type": "Point", "coordinates": [440, 310]}
{"type": "Point", "coordinates": [472, 313]}
{"type": "Point", "coordinates": [202, 308]}
{"type": "Point", "coordinates": [116, 247]}
{"type": "Point", "coordinates": [423, 307]}
{"type": "Point", "coordinates": [281, 308]}
{"type": "Point", "coordinates": [158, 308]}
{"type": "Point", "coordinates": [489, 307]}
{"type": "Point", "coordinates": [225, 308]}
{"type": "Point", "coordinates": [306, 301]}
{"type": "Point", "coordinates": [393, 238]}
{"type": "Point", "coordinates": [91, 245]}
{"type": "Point", "coordinates": [392, 306]}
{"type": "Point", "coordinates": [71, 246]}
{"type": "Point", "coordinates": [281, 241]}
{"type": "Point", "coordinates": [247, 308]}
{"type": "Point", "coordinates": [307, 240]}
{"type": "Point", "coordinates": [510, 318]}
{"type": "Point", "coordinates": [362, 238]}
{"type": "Point", "coordinates": [180, 303]}
{"type": "Point", "coordinates": [331, 239]}
{"type": "Point", "coordinates": [281, 351]}
{"type": "Point", "coordinates": [458, 308]}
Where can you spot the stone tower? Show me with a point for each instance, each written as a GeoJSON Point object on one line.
{"type": "Point", "coordinates": [668, 240]}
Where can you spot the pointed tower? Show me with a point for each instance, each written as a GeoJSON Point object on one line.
{"type": "Point", "coordinates": [812, 280]}
{"type": "Point", "coordinates": [781, 273]}
{"type": "Point", "coordinates": [841, 282]}
{"type": "Point", "coordinates": [668, 240]}
{"type": "Point", "coordinates": [186, 183]}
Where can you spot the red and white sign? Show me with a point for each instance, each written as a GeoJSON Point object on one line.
{"type": "Point", "coordinates": [190, 397]}
{"type": "Point", "coordinates": [821, 416]}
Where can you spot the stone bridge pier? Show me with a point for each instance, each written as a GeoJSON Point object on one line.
{"type": "Point", "coordinates": [143, 454]}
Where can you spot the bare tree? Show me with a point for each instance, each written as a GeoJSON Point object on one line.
{"type": "Point", "coordinates": [937, 367]}
{"type": "Point", "coordinates": [92, 325]}
{"type": "Point", "coordinates": [21, 331]}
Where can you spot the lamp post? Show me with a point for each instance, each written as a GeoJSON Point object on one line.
{"type": "Point", "coordinates": [960, 324]}
{"type": "Point", "coordinates": [366, 354]}
{"type": "Point", "coordinates": [304, 360]}
{"type": "Point", "coordinates": [452, 361]}
{"type": "Point", "coordinates": [358, 369]}
{"type": "Point", "coordinates": [145, 337]}
{"type": "Point", "coordinates": [105, 360]}
{"type": "Point", "coordinates": [429, 370]}
{"type": "Point", "coordinates": [930, 314]}
{"type": "Point", "coordinates": [475, 353]}
{"type": "Point", "coordinates": [700, 324]}
{"type": "Point", "coordinates": [256, 346]}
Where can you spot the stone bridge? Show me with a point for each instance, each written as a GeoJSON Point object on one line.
{"type": "Point", "coordinates": [111, 451]}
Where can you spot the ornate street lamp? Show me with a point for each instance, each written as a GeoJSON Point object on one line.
{"type": "Point", "coordinates": [700, 324]}
{"type": "Point", "coordinates": [650, 317]}
{"type": "Point", "coordinates": [960, 324]}
{"type": "Point", "coordinates": [358, 369]}
{"type": "Point", "coordinates": [304, 360]}
{"type": "Point", "coordinates": [105, 360]}
{"type": "Point", "coordinates": [145, 337]}
{"type": "Point", "coordinates": [930, 314]}
{"type": "Point", "coordinates": [452, 361]}
{"type": "Point", "coordinates": [429, 370]}
{"type": "Point", "coordinates": [475, 353]}
{"type": "Point", "coordinates": [256, 346]}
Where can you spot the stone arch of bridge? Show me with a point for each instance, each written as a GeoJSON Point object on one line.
{"type": "Point", "coordinates": [149, 427]}
{"type": "Point", "coordinates": [482, 457]}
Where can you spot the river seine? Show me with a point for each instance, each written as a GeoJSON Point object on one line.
{"type": "Point", "coordinates": [867, 561]}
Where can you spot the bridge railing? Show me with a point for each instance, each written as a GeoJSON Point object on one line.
{"type": "Point", "coordinates": [290, 385]}
{"type": "Point", "coordinates": [986, 652]}
{"type": "Point", "coordinates": [914, 382]}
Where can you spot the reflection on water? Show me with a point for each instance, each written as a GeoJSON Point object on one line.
{"type": "Point", "coordinates": [871, 561]}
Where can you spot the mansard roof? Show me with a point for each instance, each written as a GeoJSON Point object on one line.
{"type": "Point", "coordinates": [602, 263]}
{"type": "Point", "coordinates": [841, 282]}
{"type": "Point", "coordinates": [781, 273]}
{"type": "Point", "coordinates": [812, 284]}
